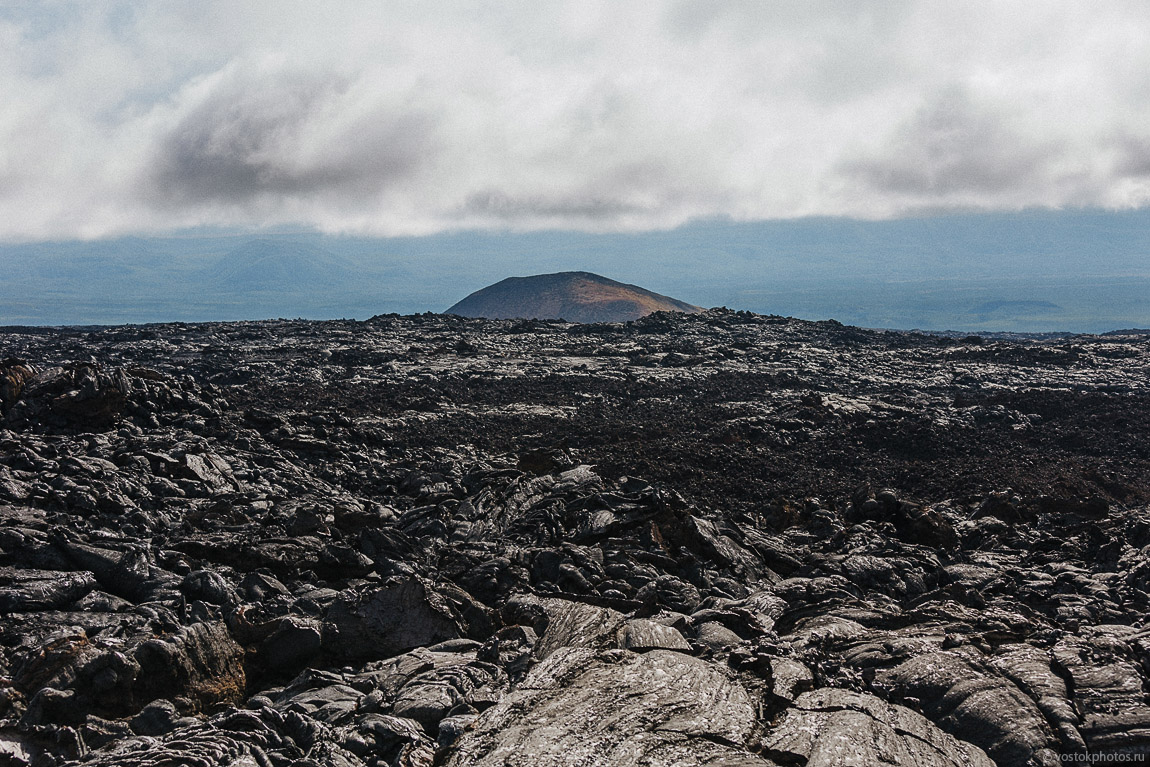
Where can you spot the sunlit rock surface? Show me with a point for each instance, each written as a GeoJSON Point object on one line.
{"type": "Point", "coordinates": [717, 539]}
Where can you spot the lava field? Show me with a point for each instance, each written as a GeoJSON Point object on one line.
{"type": "Point", "coordinates": [720, 539]}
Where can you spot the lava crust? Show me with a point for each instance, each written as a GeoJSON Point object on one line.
{"type": "Point", "coordinates": [715, 539]}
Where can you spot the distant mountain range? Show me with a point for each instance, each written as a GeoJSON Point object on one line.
{"type": "Point", "coordinates": [572, 296]}
{"type": "Point", "coordinates": [272, 265]}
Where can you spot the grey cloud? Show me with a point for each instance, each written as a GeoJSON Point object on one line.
{"type": "Point", "coordinates": [497, 206]}
{"type": "Point", "coordinates": [408, 118]}
{"type": "Point", "coordinates": [757, 18]}
{"type": "Point", "coordinates": [626, 190]}
{"type": "Point", "coordinates": [258, 138]}
{"type": "Point", "coordinates": [953, 146]}
{"type": "Point", "coordinates": [1132, 156]}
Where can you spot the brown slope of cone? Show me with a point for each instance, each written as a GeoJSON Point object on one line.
{"type": "Point", "coordinates": [573, 296]}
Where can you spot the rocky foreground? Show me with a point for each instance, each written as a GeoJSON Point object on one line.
{"type": "Point", "coordinates": [719, 539]}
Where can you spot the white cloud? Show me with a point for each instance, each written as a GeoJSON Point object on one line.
{"type": "Point", "coordinates": [396, 118]}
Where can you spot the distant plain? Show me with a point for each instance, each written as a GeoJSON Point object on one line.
{"type": "Point", "coordinates": [1058, 271]}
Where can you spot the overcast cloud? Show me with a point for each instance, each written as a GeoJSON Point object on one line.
{"type": "Point", "coordinates": [410, 118]}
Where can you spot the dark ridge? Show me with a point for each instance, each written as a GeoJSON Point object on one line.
{"type": "Point", "coordinates": [572, 296]}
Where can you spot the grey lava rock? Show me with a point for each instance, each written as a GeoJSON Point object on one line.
{"type": "Point", "coordinates": [582, 707]}
{"type": "Point", "coordinates": [829, 728]}
{"type": "Point", "coordinates": [405, 613]}
{"type": "Point", "coordinates": [31, 590]}
{"type": "Point", "coordinates": [985, 709]}
{"type": "Point", "coordinates": [713, 538]}
{"type": "Point", "coordinates": [641, 635]}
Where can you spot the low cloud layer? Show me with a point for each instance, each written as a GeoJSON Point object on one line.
{"type": "Point", "coordinates": [411, 118]}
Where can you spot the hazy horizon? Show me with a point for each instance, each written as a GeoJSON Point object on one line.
{"type": "Point", "coordinates": [1072, 271]}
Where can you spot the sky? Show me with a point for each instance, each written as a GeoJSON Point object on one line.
{"type": "Point", "coordinates": [415, 118]}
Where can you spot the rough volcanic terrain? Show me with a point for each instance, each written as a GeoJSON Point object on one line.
{"type": "Point", "coordinates": [717, 539]}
